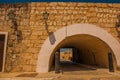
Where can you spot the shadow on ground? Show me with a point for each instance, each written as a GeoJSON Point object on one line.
{"type": "Point", "coordinates": [27, 75]}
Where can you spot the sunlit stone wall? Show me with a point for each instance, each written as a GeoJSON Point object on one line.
{"type": "Point", "coordinates": [26, 27]}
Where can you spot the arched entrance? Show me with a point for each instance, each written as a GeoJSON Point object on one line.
{"type": "Point", "coordinates": [78, 32]}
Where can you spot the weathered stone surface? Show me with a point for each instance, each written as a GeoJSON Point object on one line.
{"type": "Point", "coordinates": [31, 26]}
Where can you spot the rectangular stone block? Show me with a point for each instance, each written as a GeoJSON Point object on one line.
{"type": "Point", "coordinates": [93, 19]}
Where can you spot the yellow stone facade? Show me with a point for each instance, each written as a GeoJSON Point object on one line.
{"type": "Point", "coordinates": [24, 43]}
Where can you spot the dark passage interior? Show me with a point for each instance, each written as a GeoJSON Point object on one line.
{"type": "Point", "coordinates": [2, 40]}
{"type": "Point", "coordinates": [71, 62]}
{"type": "Point", "coordinates": [86, 51]}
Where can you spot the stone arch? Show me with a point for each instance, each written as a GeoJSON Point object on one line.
{"type": "Point", "coordinates": [93, 30]}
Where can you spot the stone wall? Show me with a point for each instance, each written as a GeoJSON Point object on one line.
{"type": "Point", "coordinates": [26, 27]}
{"type": "Point", "coordinates": [14, 19]}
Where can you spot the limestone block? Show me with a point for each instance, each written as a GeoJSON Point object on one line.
{"type": "Point", "coordinates": [43, 37]}
{"type": "Point", "coordinates": [119, 28]}
{"type": "Point", "coordinates": [71, 7]}
{"type": "Point", "coordinates": [75, 12]}
{"type": "Point", "coordinates": [13, 37]}
{"type": "Point", "coordinates": [33, 68]}
{"type": "Point", "coordinates": [92, 9]}
{"type": "Point", "coordinates": [82, 4]}
{"type": "Point", "coordinates": [1, 23]}
{"type": "Point", "coordinates": [109, 5]}
{"type": "Point", "coordinates": [64, 11]}
{"type": "Point", "coordinates": [38, 4]}
{"type": "Point", "coordinates": [37, 33]}
{"type": "Point", "coordinates": [54, 23]}
{"type": "Point", "coordinates": [98, 4]}
{"type": "Point", "coordinates": [80, 12]}
{"type": "Point", "coordinates": [62, 4]}
{"type": "Point", "coordinates": [26, 41]}
{"type": "Point", "coordinates": [109, 25]}
{"type": "Point", "coordinates": [60, 8]}
{"type": "Point", "coordinates": [91, 14]}
{"type": "Point", "coordinates": [55, 11]}
{"type": "Point", "coordinates": [37, 45]}
{"type": "Point", "coordinates": [99, 10]}
{"type": "Point", "coordinates": [53, 4]}
{"type": "Point", "coordinates": [41, 41]}
{"type": "Point", "coordinates": [41, 8]}
{"type": "Point", "coordinates": [30, 45]}
{"type": "Point", "coordinates": [33, 4]}
{"type": "Point", "coordinates": [36, 12]}
{"type": "Point", "coordinates": [104, 5]}
{"type": "Point", "coordinates": [94, 19]}
{"type": "Point", "coordinates": [77, 8]}
{"type": "Point", "coordinates": [26, 61]}
{"type": "Point", "coordinates": [48, 8]}
{"type": "Point", "coordinates": [32, 50]}
{"type": "Point", "coordinates": [34, 37]}
{"type": "Point", "coordinates": [37, 28]}
{"type": "Point", "coordinates": [66, 8]}
{"type": "Point", "coordinates": [44, 4]}
{"type": "Point", "coordinates": [31, 23]}
{"type": "Point", "coordinates": [58, 23]}
{"type": "Point", "coordinates": [10, 49]}
{"type": "Point", "coordinates": [53, 7]}
{"type": "Point", "coordinates": [33, 61]}
{"type": "Point", "coordinates": [27, 68]}
{"type": "Point", "coordinates": [71, 4]}
{"type": "Point", "coordinates": [100, 20]}
{"type": "Point", "coordinates": [116, 5]}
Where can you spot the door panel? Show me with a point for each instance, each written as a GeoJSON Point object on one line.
{"type": "Point", "coordinates": [2, 40]}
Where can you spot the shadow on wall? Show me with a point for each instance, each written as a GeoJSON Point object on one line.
{"type": "Point", "coordinates": [18, 33]}
{"type": "Point", "coordinates": [51, 35]}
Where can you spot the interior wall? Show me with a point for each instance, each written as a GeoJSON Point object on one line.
{"type": "Point", "coordinates": [98, 58]}
{"type": "Point", "coordinates": [91, 50]}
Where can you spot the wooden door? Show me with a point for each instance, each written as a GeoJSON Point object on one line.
{"type": "Point", "coordinates": [2, 41]}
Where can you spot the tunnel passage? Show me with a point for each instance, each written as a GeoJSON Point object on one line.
{"type": "Point", "coordinates": [87, 50]}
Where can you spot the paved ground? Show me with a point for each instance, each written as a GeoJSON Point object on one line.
{"type": "Point", "coordinates": [68, 72]}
